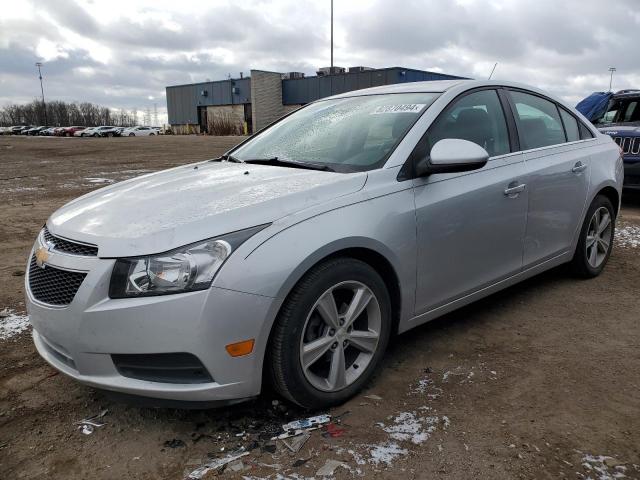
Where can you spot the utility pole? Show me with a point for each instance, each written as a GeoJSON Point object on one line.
{"type": "Point", "coordinates": [611, 69]}
{"type": "Point", "coordinates": [331, 36]}
{"type": "Point", "coordinates": [44, 106]}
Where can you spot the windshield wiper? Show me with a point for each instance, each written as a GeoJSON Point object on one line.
{"type": "Point", "coordinates": [227, 158]}
{"type": "Point", "coordinates": [275, 161]}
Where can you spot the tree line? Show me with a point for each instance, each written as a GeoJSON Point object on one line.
{"type": "Point", "coordinates": [64, 114]}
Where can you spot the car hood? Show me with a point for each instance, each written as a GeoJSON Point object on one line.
{"type": "Point", "coordinates": [165, 210]}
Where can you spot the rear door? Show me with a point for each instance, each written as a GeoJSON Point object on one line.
{"type": "Point", "coordinates": [470, 225]}
{"type": "Point", "coordinates": [557, 175]}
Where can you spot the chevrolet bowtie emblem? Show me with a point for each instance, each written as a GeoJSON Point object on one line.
{"type": "Point", "coordinates": [42, 255]}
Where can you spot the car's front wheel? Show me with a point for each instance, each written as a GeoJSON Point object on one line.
{"type": "Point", "coordinates": [331, 334]}
{"type": "Point", "coordinates": [596, 238]}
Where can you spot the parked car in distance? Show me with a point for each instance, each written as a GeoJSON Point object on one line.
{"type": "Point", "coordinates": [48, 132]}
{"type": "Point", "coordinates": [16, 130]}
{"type": "Point", "coordinates": [139, 132]}
{"type": "Point", "coordinates": [36, 130]}
{"type": "Point", "coordinates": [295, 256]}
{"type": "Point", "coordinates": [88, 132]}
{"type": "Point", "coordinates": [621, 121]}
{"type": "Point", "coordinates": [70, 131]}
{"type": "Point", "coordinates": [109, 131]}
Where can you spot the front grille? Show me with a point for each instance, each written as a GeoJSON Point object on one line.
{"type": "Point", "coordinates": [68, 246]}
{"type": "Point", "coordinates": [629, 145]}
{"type": "Point", "coordinates": [53, 286]}
{"type": "Point", "coordinates": [162, 367]}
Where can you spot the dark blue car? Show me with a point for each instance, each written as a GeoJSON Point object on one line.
{"type": "Point", "coordinates": [621, 120]}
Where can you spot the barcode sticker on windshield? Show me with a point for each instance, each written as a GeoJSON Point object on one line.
{"type": "Point", "coordinates": [404, 108]}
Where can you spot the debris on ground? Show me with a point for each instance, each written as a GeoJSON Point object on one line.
{"type": "Point", "coordinates": [299, 462]}
{"type": "Point", "coordinates": [174, 443]}
{"type": "Point", "coordinates": [298, 427]}
{"type": "Point", "coordinates": [297, 442]}
{"type": "Point", "coordinates": [307, 422]}
{"type": "Point", "coordinates": [329, 467]}
{"type": "Point", "coordinates": [332, 430]}
{"type": "Point", "coordinates": [88, 425]}
{"type": "Point", "coordinates": [217, 464]}
{"type": "Point", "coordinates": [377, 398]}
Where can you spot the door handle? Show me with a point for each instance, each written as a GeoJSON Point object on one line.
{"type": "Point", "coordinates": [515, 190]}
{"type": "Point", "coordinates": [579, 167]}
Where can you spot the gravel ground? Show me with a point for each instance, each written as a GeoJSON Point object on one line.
{"type": "Point", "coordinates": [539, 381]}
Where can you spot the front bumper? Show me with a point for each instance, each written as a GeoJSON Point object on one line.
{"type": "Point", "coordinates": [80, 338]}
{"type": "Point", "coordinates": [632, 173]}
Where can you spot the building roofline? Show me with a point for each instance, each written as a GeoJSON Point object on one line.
{"type": "Point", "coordinates": [454, 77]}
{"type": "Point", "coordinates": [206, 83]}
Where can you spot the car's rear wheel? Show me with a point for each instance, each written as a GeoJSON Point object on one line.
{"type": "Point", "coordinates": [331, 334]}
{"type": "Point", "coordinates": [132, 134]}
{"type": "Point", "coordinates": [596, 238]}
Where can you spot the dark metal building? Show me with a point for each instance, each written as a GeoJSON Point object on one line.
{"type": "Point", "coordinates": [243, 105]}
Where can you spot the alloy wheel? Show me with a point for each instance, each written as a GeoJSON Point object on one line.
{"type": "Point", "coordinates": [599, 236]}
{"type": "Point", "coordinates": [340, 336]}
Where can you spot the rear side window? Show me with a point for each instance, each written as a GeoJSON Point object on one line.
{"type": "Point", "coordinates": [585, 132]}
{"type": "Point", "coordinates": [476, 117]}
{"type": "Point", "coordinates": [538, 121]}
{"type": "Point", "coordinates": [570, 126]}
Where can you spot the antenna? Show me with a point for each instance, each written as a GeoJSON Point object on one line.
{"type": "Point", "coordinates": [493, 70]}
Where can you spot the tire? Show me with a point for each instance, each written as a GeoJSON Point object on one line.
{"type": "Point", "coordinates": [300, 323]}
{"type": "Point", "coordinates": [151, 134]}
{"type": "Point", "coordinates": [109, 134]}
{"type": "Point", "coordinates": [132, 134]}
{"type": "Point", "coordinates": [585, 262]}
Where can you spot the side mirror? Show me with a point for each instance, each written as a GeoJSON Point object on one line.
{"type": "Point", "coordinates": [451, 155]}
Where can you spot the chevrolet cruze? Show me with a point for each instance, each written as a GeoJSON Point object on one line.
{"type": "Point", "coordinates": [294, 257]}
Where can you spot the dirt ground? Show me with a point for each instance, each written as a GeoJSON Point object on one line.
{"type": "Point", "coordinates": [539, 381]}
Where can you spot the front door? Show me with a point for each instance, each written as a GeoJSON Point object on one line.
{"type": "Point", "coordinates": [470, 226]}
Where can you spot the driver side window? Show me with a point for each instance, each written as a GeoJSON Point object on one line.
{"type": "Point", "coordinates": [478, 118]}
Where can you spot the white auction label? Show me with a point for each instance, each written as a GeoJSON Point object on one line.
{"type": "Point", "coordinates": [404, 108]}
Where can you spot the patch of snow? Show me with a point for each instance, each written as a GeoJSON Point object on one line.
{"type": "Point", "coordinates": [627, 236]}
{"type": "Point", "coordinates": [425, 386]}
{"type": "Point", "coordinates": [20, 189]}
{"type": "Point", "coordinates": [99, 180]}
{"type": "Point", "coordinates": [407, 426]}
{"type": "Point", "coordinates": [386, 453]}
{"type": "Point", "coordinates": [12, 324]}
{"type": "Point", "coordinates": [598, 465]}
{"type": "Point", "coordinates": [357, 457]}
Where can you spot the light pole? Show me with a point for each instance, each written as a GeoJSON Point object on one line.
{"type": "Point", "coordinates": [332, 36]}
{"type": "Point", "coordinates": [44, 106]}
{"type": "Point", "coordinates": [611, 69]}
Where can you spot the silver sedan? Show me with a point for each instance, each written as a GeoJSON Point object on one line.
{"type": "Point", "coordinates": [295, 256]}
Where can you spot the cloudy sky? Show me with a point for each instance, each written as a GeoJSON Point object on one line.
{"type": "Point", "coordinates": [122, 54]}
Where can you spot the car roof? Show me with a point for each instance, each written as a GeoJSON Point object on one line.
{"type": "Point", "coordinates": [440, 86]}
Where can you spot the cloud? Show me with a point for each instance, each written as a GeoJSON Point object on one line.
{"type": "Point", "coordinates": [121, 53]}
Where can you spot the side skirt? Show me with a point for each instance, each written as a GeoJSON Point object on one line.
{"type": "Point", "coordinates": [486, 291]}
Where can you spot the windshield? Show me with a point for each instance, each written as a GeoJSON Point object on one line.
{"type": "Point", "coordinates": [621, 110]}
{"type": "Point", "coordinates": [346, 134]}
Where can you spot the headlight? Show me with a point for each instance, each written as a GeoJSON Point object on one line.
{"type": "Point", "coordinates": [184, 269]}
